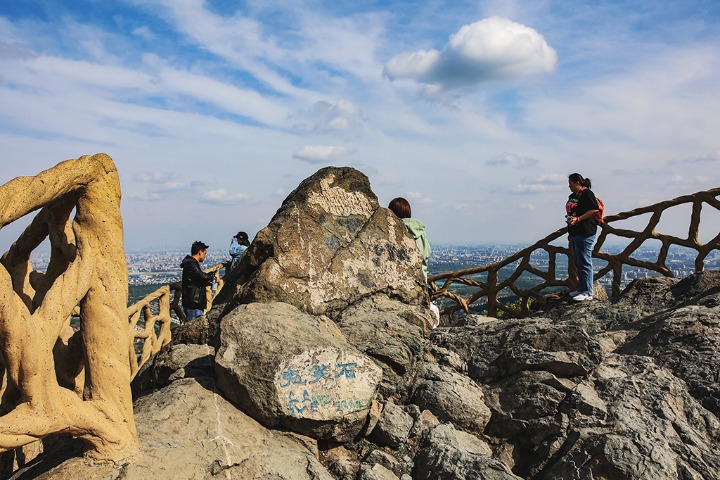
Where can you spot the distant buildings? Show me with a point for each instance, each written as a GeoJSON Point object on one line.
{"type": "Point", "coordinates": [161, 268]}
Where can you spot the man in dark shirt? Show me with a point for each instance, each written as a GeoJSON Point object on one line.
{"type": "Point", "coordinates": [195, 282]}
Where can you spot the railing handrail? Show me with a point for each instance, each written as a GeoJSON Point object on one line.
{"type": "Point", "coordinates": [491, 288]}
{"type": "Point", "coordinates": [153, 341]}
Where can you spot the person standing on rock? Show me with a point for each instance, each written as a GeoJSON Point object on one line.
{"type": "Point", "coordinates": [401, 208]}
{"type": "Point", "coordinates": [582, 227]}
{"type": "Point", "coordinates": [238, 245]}
{"type": "Point", "coordinates": [195, 281]}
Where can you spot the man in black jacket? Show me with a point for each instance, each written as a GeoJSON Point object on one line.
{"type": "Point", "coordinates": [195, 281]}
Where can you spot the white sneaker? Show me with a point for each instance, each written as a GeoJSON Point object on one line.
{"type": "Point", "coordinates": [582, 297]}
{"type": "Point", "coordinates": [575, 293]}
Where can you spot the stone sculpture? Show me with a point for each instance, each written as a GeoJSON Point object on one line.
{"type": "Point", "coordinates": [87, 269]}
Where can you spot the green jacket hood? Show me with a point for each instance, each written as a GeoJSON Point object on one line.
{"type": "Point", "coordinates": [417, 230]}
{"type": "Point", "coordinates": [414, 226]}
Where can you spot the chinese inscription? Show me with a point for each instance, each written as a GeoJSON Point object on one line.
{"type": "Point", "coordinates": [326, 384]}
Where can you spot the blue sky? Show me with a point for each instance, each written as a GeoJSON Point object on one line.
{"type": "Point", "coordinates": [475, 111]}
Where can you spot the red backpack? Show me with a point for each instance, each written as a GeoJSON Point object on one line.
{"type": "Point", "coordinates": [600, 214]}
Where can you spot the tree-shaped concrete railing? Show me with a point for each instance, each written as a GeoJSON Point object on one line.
{"type": "Point", "coordinates": [151, 318]}
{"type": "Point", "coordinates": [482, 284]}
{"type": "Point", "coordinates": [51, 379]}
{"type": "Point", "coordinates": [149, 327]}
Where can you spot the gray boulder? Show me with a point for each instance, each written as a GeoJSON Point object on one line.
{"type": "Point", "coordinates": [497, 349]}
{"type": "Point", "coordinates": [285, 367]}
{"type": "Point", "coordinates": [328, 246]}
{"type": "Point", "coordinates": [188, 431]}
{"type": "Point", "coordinates": [385, 459]}
{"type": "Point", "coordinates": [451, 455]}
{"type": "Point", "coordinates": [394, 426]}
{"type": "Point", "coordinates": [640, 299]}
{"type": "Point", "coordinates": [375, 472]}
{"type": "Point", "coordinates": [686, 341]}
{"type": "Point", "coordinates": [172, 363]}
{"type": "Point", "coordinates": [193, 332]}
{"type": "Point", "coordinates": [446, 434]}
{"type": "Point", "coordinates": [392, 334]}
{"type": "Point", "coordinates": [648, 426]}
{"type": "Point", "coordinates": [452, 397]}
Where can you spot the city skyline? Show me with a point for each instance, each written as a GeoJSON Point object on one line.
{"type": "Point", "coordinates": [163, 267]}
{"type": "Point", "coordinates": [475, 111]}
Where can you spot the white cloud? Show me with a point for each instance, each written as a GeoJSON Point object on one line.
{"type": "Point", "coordinates": [491, 49]}
{"type": "Point", "coordinates": [225, 91]}
{"type": "Point", "coordinates": [144, 32]}
{"type": "Point", "coordinates": [221, 197]}
{"type": "Point", "coordinates": [225, 96]}
{"type": "Point", "coordinates": [471, 207]}
{"type": "Point", "coordinates": [326, 117]}
{"type": "Point", "coordinates": [691, 184]}
{"type": "Point", "coordinates": [419, 197]}
{"type": "Point", "coordinates": [322, 153]}
{"type": "Point", "coordinates": [154, 177]}
{"type": "Point", "coordinates": [145, 196]}
{"type": "Point", "coordinates": [412, 64]}
{"type": "Point", "coordinates": [543, 183]}
{"type": "Point", "coordinates": [238, 39]}
{"type": "Point", "coordinates": [706, 158]}
{"type": "Point", "coordinates": [511, 160]}
{"type": "Point", "coordinates": [14, 51]}
{"type": "Point", "coordinates": [167, 187]}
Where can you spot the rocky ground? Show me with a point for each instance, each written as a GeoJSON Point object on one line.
{"type": "Point", "coordinates": [281, 381]}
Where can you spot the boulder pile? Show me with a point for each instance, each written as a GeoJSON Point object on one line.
{"type": "Point", "coordinates": [318, 362]}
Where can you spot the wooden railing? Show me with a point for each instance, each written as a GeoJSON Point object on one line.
{"type": "Point", "coordinates": [151, 317]}
{"type": "Point", "coordinates": [493, 290]}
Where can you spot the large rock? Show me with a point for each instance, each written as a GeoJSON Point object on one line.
{"type": "Point", "coordinates": [188, 431]}
{"type": "Point", "coordinates": [285, 367]}
{"type": "Point", "coordinates": [451, 455]}
{"type": "Point", "coordinates": [392, 334]}
{"type": "Point", "coordinates": [452, 397]}
{"type": "Point", "coordinates": [394, 426]}
{"type": "Point", "coordinates": [638, 300]}
{"type": "Point", "coordinates": [647, 426]}
{"type": "Point", "coordinates": [631, 417]}
{"type": "Point", "coordinates": [641, 299]}
{"type": "Point", "coordinates": [687, 341]}
{"type": "Point", "coordinates": [329, 245]}
{"type": "Point", "coordinates": [525, 416]}
{"type": "Point", "coordinates": [497, 349]}
{"type": "Point", "coordinates": [172, 363]}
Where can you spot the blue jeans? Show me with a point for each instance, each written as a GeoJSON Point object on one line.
{"type": "Point", "coordinates": [191, 313]}
{"type": "Point", "coordinates": [582, 248]}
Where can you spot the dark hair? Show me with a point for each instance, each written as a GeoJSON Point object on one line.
{"type": "Point", "coordinates": [197, 246]}
{"type": "Point", "coordinates": [576, 177]}
{"type": "Point", "coordinates": [400, 207]}
{"type": "Point", "coordinates": [242, 238]}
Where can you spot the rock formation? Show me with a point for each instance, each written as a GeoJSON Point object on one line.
{"type": "Point", "coordinates": [55, 381]}
{"type": "Point", "coordinates": [289, 368]}
{"type": "Point", "coordinates": [318, 363]}
{"type": "Point", "coordinates": [327, 247]}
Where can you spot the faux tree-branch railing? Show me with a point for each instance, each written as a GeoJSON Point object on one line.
{"type": "Point", "coordinates": [42, 359]}
{"type": "Point", "coordinates": [151, 318]}
{"type": "Point", "coordinates": [443, 284]}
